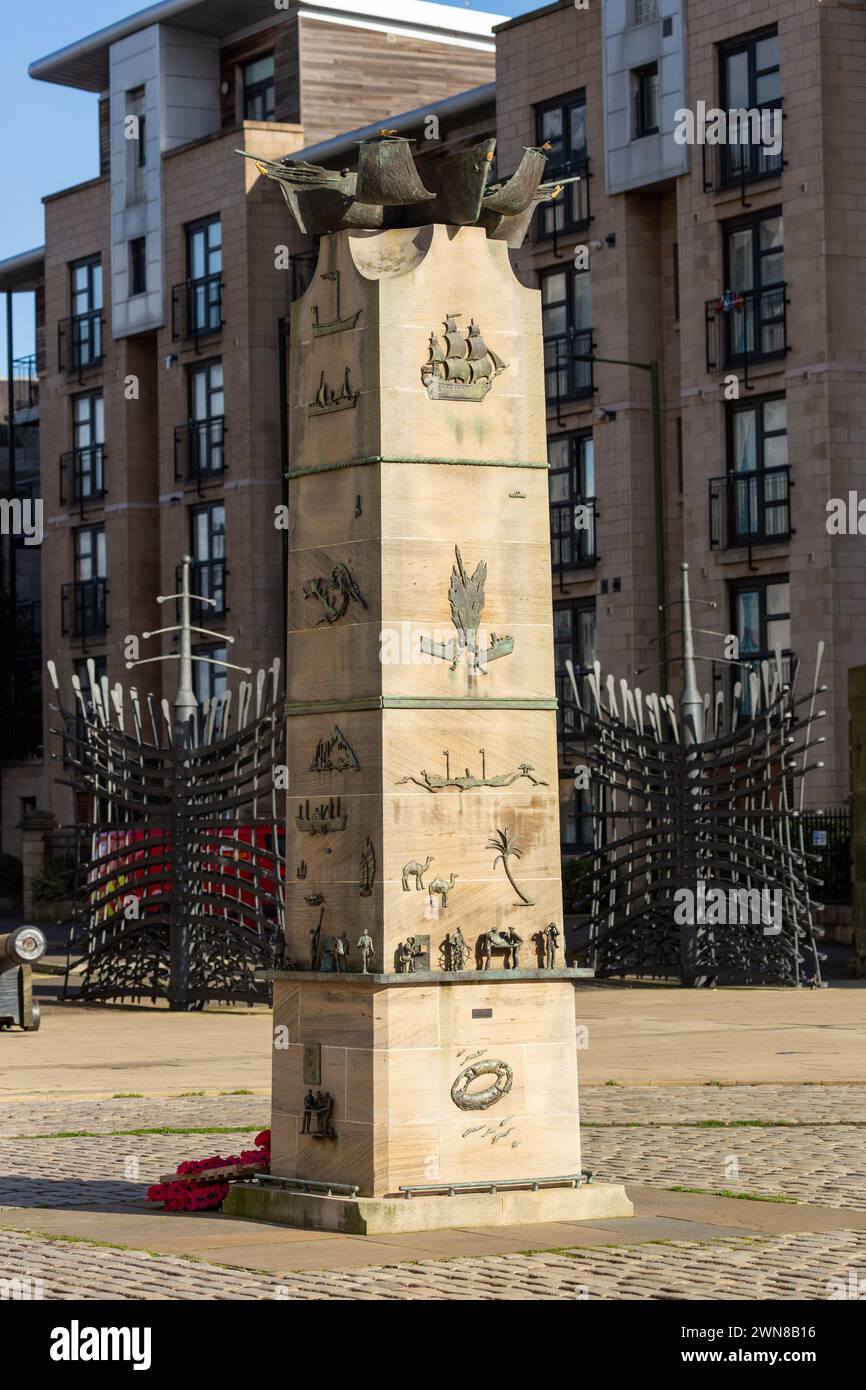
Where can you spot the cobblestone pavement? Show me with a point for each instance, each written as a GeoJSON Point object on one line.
{"type": "Point", "coordinates": [801, 1104]}
{"type": "Point", "coordinates": [825, 1166]}
{"type": "Point", "coordinates": [100, 1172]}
{"type": "Point", "coordinates": [609, 1105]}
{"type": "Point", "coordinates": [809, 1145]}
{"type": "Point", "coordinates": [133, 1112]}
{"type": "Point", "coordinates": [786, 1267]}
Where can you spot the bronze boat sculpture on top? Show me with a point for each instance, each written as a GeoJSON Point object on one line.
{"type": "Point", "coordinates": [391, 190]}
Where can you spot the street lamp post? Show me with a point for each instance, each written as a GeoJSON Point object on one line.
{"type": "Point", "coordinates": [658, 492]}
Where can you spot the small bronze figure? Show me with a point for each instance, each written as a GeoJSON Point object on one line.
{"type": "Point", "coordinates": [323, 1106]}
{"type": "Point", "coordinates": [315, 938]}
{"type": "Point", "coordinates": [551, 939]}
{"type": "Point", "coordinates": [457, 950]}
{"type": "Point", "coordinates": [309, 1107]}
{"type": "Point", "coordinates": [409, 951]}
{"type": "Point", "coordinates": [365, 946]}
{"type": "Point", "coordinates": [341, 952]}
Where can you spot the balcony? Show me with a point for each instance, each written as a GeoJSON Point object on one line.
{"type": "Point", "coordinates": [741, 164]}
{"type": "Point", "coordinates": [25, 384]}
{"type": "Point", "coordinates": [199, 450]}
{"type": "Point", "coordinates": [747, 327]}
{"type": "Point", "coordinates": [572, 535]}
{"type": "Point", "coordinates": [207, 578]}
{"type": "Point", "coordinates": [82, 608]}
{"type": "Point", "coordinates": [570, 212]}
{"type": "Point", "coordinates": [79, 343]}
{"type": "Point", "coordinates": [748, 509]}
{"type": "Point", "coordinates": [568, 370]}
{"type": "Point", "coordinates": [82, 476]}
{"type": "Point", "coordinates": [196, 308]}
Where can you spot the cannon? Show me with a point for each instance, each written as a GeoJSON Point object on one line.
{"type": "Point", "coordinates": [19, 950]}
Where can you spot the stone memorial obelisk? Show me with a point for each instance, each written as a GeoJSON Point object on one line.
{"type": "Point", "coordinates": [425, 1024]}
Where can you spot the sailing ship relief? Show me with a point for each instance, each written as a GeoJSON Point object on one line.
{"type": "Point", "coordinates": [465, 368]}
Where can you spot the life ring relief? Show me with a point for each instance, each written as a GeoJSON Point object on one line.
{"type": "Point", "coordinates": [465, 1099]}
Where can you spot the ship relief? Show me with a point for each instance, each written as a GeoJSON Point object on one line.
{"type": "Point", "coordinates": [326, 401]}
{"type": "Point", "coordinates": [462, 367]}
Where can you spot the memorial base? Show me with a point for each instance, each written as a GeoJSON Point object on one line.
{"type": "Point", "coordinates": [368, 1216]}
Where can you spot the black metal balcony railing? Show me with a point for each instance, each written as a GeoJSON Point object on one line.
{"type": "Point", "coordinates": [28, 628]}
{"type": "Point", "coordinates": [80, 342]}
{"type": "Point", "coordinates": [570, 212]}
{"type": "Point", "coordinates": [83, 608]}
{"type": "Point", "coordinates": [196, 308]}
{"type": "Point", "coordinates": [207, 578]}
{"type": "Point", "coordinates": [199, 450]}
{"type": "Point", "coordinates": [25, 382]}
{"type": "Point", "coordinates": [82, 476]}
{"type": "Point", "coordinates": [749, 509]}
{"type": "Point", "coordinates": [573, 535]}
{"type": "Point", "coordinates": [746, 327]}
{"type": "Point", "coordinates": [737, 165]}
{"type": "Point", "coordinates": [567, 376]}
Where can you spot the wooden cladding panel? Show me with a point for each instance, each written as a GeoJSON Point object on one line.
{"type": "Point", "coordinates": [353, 77]}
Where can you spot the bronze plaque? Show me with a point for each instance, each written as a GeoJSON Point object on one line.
{"type": "Point", "coordinates": [312, 1064]}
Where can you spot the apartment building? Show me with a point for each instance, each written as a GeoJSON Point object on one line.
{"type": "Point", "coordinates": [739, 270]}
{"type": "Point", "coordinates": [736, 270]}
{"type": "Point", "coordinates": [164, 289]}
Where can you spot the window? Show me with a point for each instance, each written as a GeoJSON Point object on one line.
{"type": "Point", "coordinates": [571, 458]}
{"type": "Point", "coordinates": [208, 534]}
{"type": "Point", "coordinates": [138, 266]}
{"type": "Point", "coordinates": [562, 125]}
{"type": "Point", "coordinates": [566, 311]}
{"type": "Point", "coordinates": [645, 11]}
{"type": "Point", "coordinates": [645, 85]}
{"type": "Point", "coordinates": [259, 89]}
{"type": "Point", "coordinates": [755, 285]}
{"type": "Point", "coordinates": [88, 440]}
{"type": "Point", "coordinates": [84, 599]}
{"type": "Point", "coordinates": [210, 680]}
{"type": "Point", "coordinates": [751, 503]}
{"type": "Point", "coordinates": [750, 80]}
{"type": "Point", "coordinates": [204, 270]}
{"type": "Point", "coordinates": [136, 148]}
{"type": "Point", "coordinates": [86, 322]}
{"type": "Point", "coordinates": [761, 618]}
{"type": "Point", "coordinates": [206, 452]}
{"type": "Point", "coordinates": [90, 554]}
{"type": "Point", "coordinates": [574, 634]}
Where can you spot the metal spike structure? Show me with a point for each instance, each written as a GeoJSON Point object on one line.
{"type": "Point", "coordinates": [180, 891]}
{"type": "Point", "coordinates": [709, 795]}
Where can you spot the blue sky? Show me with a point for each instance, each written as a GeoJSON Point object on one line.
{"type": "Point", "coordinates": [49, 133]}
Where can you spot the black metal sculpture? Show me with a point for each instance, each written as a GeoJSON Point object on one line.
{"type": "Point", "coordinates": [700, 805]}
{"type": "Point", "coordinates": [180, 891]}
{"type": "Point", "coordinates": [392, 189]}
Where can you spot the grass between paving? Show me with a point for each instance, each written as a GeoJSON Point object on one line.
{"type": "Point", "coordinates": [740, 1196]}
{"type": "Point", "coordinates": [159, 1129]}
{"type": "Point", "coordinates": [720, 1124]}
{"type": "Point", "coordinates": [572, 1252]}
